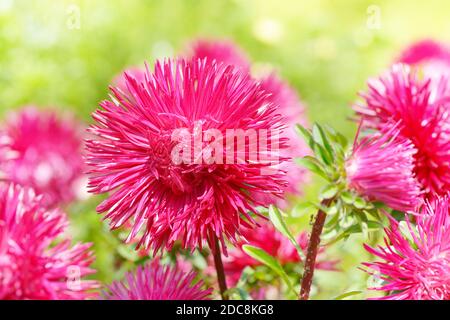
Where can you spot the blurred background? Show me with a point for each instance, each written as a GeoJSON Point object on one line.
{"type": "Point", "coordinates": [64, 54]}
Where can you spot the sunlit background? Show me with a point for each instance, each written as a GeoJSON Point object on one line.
{"type": "Point", "coordinates": [64, 54]}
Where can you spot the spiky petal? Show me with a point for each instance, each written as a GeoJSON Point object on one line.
{"type": "Point", "coordinates": [131, 155]}
{"type": "Point", "coordinates": [381, 168]}
{"type": "Point", "coordinates": [44, 153]}
{"type": "Point", "coordinates": [421, 109]}
{"type": "Point", "coordinates": [36, 260]}
{"type": "Point", "coordinates": [415, 261]}
{"type": "Point", "coordinates": [157, 282]}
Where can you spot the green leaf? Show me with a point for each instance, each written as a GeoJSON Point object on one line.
{"type": "Point", "coordinates": [347, 197]}
{"type": "Point", "coordinates": [312, 165]}
{"type": "Point", "coordinates": [347, 294]}
{"type": "Point", "coordinates": [277, 220]}
{"type": "Point", "coordinates": [301, 209]}
{"type": "Point", "coordinates": [320, 135]}
{"type": "Point", "coordinates": [328, 192]}
{"type": "Point", "coordinates": [265, 258]}
{"type": "Point", "coordinates": [306, 135]}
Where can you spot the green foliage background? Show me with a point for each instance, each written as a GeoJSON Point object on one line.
{"type": "Point", "coordinates": [324, 48]}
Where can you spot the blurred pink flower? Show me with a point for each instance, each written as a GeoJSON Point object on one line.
{"type": "Point", "coordinates": [157, 282]}
{"type": "Point", "coordinates": [44, 153]}
{"type": "Point", "coordinates": [416, 262]}
{"type": "Point", "coordinates": [131, 155]}
{"type": "Point", "coordinates": [381, 168]}
{"type": "Point", "coordinates": [290, 106]}
{"type": "Point", "coordinates": [32, 264]}
{"type": "Point", "coordinates": [221, 51]}
{"type": "Point", "coordinates": [429, 55]}
{"type": "Point", "coordinates": [274, 243]}
{"type": "Point", "coordinates": [421, 109]}
{"type": "Point", "coordinates": [134, 72]}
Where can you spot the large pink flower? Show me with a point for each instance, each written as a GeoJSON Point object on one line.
{"type": "Point", "coordinates": [35, 262]}
{"type": "Point", "coordinates": [273, 242]}
{"type": "Point", "coordinates": [44, 153]}
{"type": "Point", "coordinates": [416, 262]}
{"type": "Point", "coordinates": [221, 51]}
{"type": "Point", "coordinates": [157, 282]}
{"type": "Point", "coordinates": [421, 109]}
{"type": "Point", "coordinates": [381, 168]}
{"type": "Point", "coordinates": [193, 198]}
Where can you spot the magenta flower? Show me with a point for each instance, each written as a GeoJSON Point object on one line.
{"type": "Point", "coordinates": [292, 109]}
{"type": "Point", "coordinates": [32, 264]}
{"type": "Point", "coordinates": [416, 262]}
{"type": "Point", "coordinates": [221, 51]}
{"type": "Point", "coordinates": [44, 153]}
{"type": "Point", "coordinates": [420, 108]}
{"type": "Point", "coordinates": [381, 168]}
{"type": "Point", "coordinates": [156, 282]}
{"type": "Point", "coordinates": [194, 198]}
{"type": "Point", "coordinates": [269, 239]}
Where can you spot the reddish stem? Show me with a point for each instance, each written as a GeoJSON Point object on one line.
{"type": "Point", "coordinates": [219, 269]}
{"type": "Point", "coordinates": [313, 248]}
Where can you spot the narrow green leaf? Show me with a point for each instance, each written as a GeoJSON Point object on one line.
{"type": "Point", "coordinates": [265, 258]}
{"type": "Point", "coordinates": [312, 165]}
{"type": "Point", "coordinates": [277, 220]}
{"type": "Point", "coordinates": [328, 192]}
{"type": "Point", "coordinates": [306, 135]}
{"type": "Point", "coordinates": [347, 294]}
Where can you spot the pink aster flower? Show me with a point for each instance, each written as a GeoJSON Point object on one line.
{"type": "Point", "coordinates": [221, 51]}
{"type": "Point", "coordinates": [431, 56]}
{"type": "Point", "coordinates": [132, 153]}
{"type": "Point", "coordinates": [44, 153]}
{"type": "Point", "coordinates": [292, 109]}
{"type": "Point", "coordinates": [420, 108]}
{"type": "Point", "coordinates": [157, 282]}
{"type": "Point", "coordinates": [416, 262]}
{"type": "Point", "coordinates": [269, 239]}
{"type": "Point", "coordinates": [32, 264]}
{"type": "Point", "coordinates": [381, 168]}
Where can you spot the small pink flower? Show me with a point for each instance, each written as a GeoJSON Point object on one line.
{"type": "Point", "coordinates": [157, 282]}
{"type": "Point", "coordinates": [274, 243]}
{"type": "Point", "coordinates": [222, 51]}
{"type": "Point", "coordinates": [381, 168]}
{"type": "Point", "coordinates": [421, 109]}
{"type": "Point", "coordinates": [44, 152]}
{"type": "Point", "coordinates": [32, 264]}
{"type": "Point", "coordinates": [131, 154]}
{"type": "Point", "coordinates": [415, 262]}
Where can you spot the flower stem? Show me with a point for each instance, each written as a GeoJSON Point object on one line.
{"type": "Point", "coordinates": [219, 269]}
{"type": "Point", "coordinates": [313, 248]}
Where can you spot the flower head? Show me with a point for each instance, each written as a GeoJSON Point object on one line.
{"type": "Point", "coordinates": [274, 243]}
{"type": "Point", "coordinates": [415, 262]}
{"type": "Point", "coordinates": [44, 154]}
{"type": "Point", "coordinates": [222, 51]}
{"type": "Point", "coordinates": [420, 108]}
{"type": "Point", "coordinates": [381, 168]}
{"type": "Point", "coordinates": [157, 282]}
{"type": "Point", "coordinates": [199, 195]}
{"type": "Point", "coordinates": [32, 265]}
{"type": "Point", "coordinates": [135, 72]}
